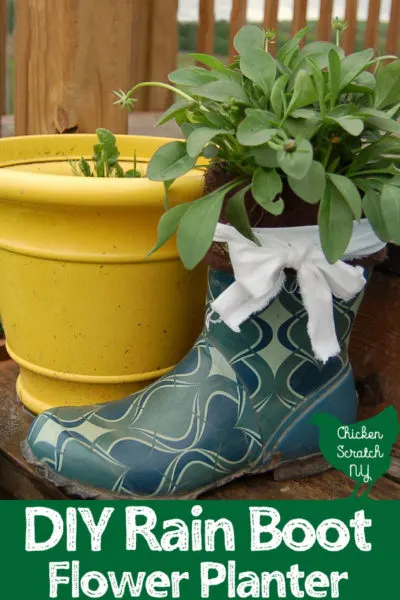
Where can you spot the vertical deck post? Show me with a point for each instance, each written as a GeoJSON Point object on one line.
{"type": "Point", "coordinates": [349, 35]}
{"type": "Point", "coordinates": [393, 34]}
{"type": "Point", "coordinates": [372, 31]}
{"type": "Point", "coordinates": [299, 15]}
{"type": "Point", "coordinates": [324, 32]}
{"type": "Point", "coordinates": [69, 57]}
{"type": "Point", "coordinates": [154, 49]}
{"type": "Point", "coordinates": [140, 44]}
{"type": "Point", "coordinates": [238, 19]}
{"type": "Point", "coordinates": [206, 35]}
{"type": "Point", "coordinates": [163, 50]}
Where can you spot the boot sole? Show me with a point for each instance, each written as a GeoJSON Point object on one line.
{"type": "Point", "coordinates": [282, 470]}
{"type": "Point", "coordinates": [300, 468]}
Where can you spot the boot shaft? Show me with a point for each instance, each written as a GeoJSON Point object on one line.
{"type": "Point", "coordinates": [272, 354]}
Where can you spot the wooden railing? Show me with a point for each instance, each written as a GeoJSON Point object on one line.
{"type": "Point", "coordinates": [324, 30]}
{"type": "Point", "coordinates": [68, 59]}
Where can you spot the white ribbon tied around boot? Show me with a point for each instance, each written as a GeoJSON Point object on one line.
{"type": "Point", "coordinates": [260, 274]}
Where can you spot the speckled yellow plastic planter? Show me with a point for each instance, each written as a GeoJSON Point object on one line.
{"type": "Point", "coordinates": [87, 317]}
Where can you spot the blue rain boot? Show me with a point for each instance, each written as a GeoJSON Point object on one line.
{"type": "Point", "coordinates": [238, 403]}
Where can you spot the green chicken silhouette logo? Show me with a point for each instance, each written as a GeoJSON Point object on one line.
{"type": "Point", "coordinates": [361, 451]}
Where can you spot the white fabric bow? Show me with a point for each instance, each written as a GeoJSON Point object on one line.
{"type": "Point", "coordinates": [259, 277]}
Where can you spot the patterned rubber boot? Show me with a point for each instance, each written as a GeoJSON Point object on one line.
{"type": "Point", "coordinates": [238, 403]}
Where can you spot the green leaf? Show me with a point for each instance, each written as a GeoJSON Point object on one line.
{"type": "Point", "coordinates": [169, 162]}
{"type": "Point", "coordinates": [99, 160]}
{"type": "Point", "coordinates": [335, 222]}
{"type": "Point", "coordinates": [306, 113]}
{"type": "Point", "coordinates": [258, 66]}
{"type": "Point", "coordinates": [265, 186]}
{"type": "Point", "coordinates": [283, 69]}
{"type": "Point", "coordinates": [373, 212]}
{"type": "Point", "coordinates": [264, 156]}
{"type": "Point", "coordinates": [289, 49]}
{"type": "Point", "coordinates": [385, 146]}
{"type": "Point", "coordinates": [319, 82]}
{"type": "Point", "coordinates": [175, 109]}
{"type": "Point", "coordinates": [191, 76]}
{"type": "Point", "coordinates": [209, 61]}
{"type": "Point", "coordinates": [304, 92]}
{"type": "Point", "coordinates": [390, 206]}
{"type": "Point", "coordinates": [392, 111]}
{"type": "Point", "coordinates": [320, 48]}
{"type": "Point", "coordinates": [319, 56]}
{"type": "Point", "coordinates": [197, 227]}
{"type": "Point", "coordinates": [222, 90]}
{"type": "Point", "coordinates": [380, 119]}
{"type": "Point", "coordinates": [355, 88]}
{"type": "Point", "coordinates": [200, 138]}
{"type": "Point", "coordinates": [302, 127]}
{"type": "Point", "coordinates": [236, 213]}
{"type": "Point", "coordinates": [107, 140]}
{"type": "Point", "coordinates": [387, 84]}
{"type": "Point", "coordinates": [119, 172]}
{"type": "Point", "coordinates": [134, 174]}
{"type": "Point", "coordinates": [353, 64]}
{"type": "Point", "coordinates": [351, 124]}
{"type": "Point", "coordinates": [249, 36]}
{"type": "Point", "coordinates": [187, 129]}
{"type": "Point", "coordinates": [311, 188]}
{"type": "Point", "coordinates": [210, 151]}
{"type": "Point", "coordinates": [85, 167]}
{"type": "Point", "coordinates": [105, 153]}
{"type": "Point", "coordinates": [256, 128]}
{"type": "Point", "coordinates": [366, 184]}
{"type": "Point", "coordinates": [334, 76]}
{"type": "Point", "coordinates": [343, 110]}
{"type": "Point", "coordinates": [349, 193]}
{"type": "Point", "coordinates": [215, 119]}
{"type": "Point", "coordinates": [396, 180]}
{"type": "Point", "coordinates": [168, 224]}
{"type": "Point", "coordinates": [277, 95]}
{"type": "Point", "coordinates": [296, 163]}
{"type": "Point", "coordinates": [366, 79]}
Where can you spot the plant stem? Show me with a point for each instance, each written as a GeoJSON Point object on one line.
{"type": "Point", "coordinates": [372, 172]}
{"type": "Point", "coordinates": [166, 86]}
{"type": "Point", "coordinates": [327, 155]}
{"type": "Point", "coordinates": [274, 146]}
{"type": "Point", "coordinates": [333, 166]}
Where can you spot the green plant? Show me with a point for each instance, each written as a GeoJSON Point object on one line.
{"type": "Point", "coordinates": [322, 123]}
{"type": "Point", "coordinates": [105, 159]}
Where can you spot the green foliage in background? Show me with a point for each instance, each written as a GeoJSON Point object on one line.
{"type": "Point", "coordinates": [188, 36]}
{"type": "Point", "coordinates": [10, 15]}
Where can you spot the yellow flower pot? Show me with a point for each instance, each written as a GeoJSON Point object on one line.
{"type": "Point", "coordinates": [87, 316]}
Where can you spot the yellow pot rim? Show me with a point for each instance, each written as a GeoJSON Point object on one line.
{"type": "Point", "coordinates": [63, 190]}
{"type": "Point", "coordinates": [92, 379]}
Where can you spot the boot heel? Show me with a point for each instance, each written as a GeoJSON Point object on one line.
{"type": "Point", "coordinates": [301, 468]}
